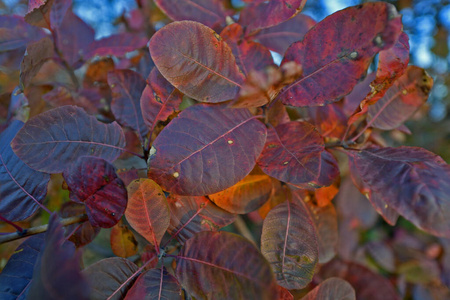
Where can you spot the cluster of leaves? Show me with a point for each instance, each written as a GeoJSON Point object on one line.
{"type": "Point", "coordinates": [221, 131]}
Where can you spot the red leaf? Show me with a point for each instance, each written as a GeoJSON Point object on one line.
{"type": "Point", "coordinates": [359, 92]}
{"type": "Point", "coordinates": [329, 171]}
{"type": "Point", "coordinates": [155, 284]}
{"type": "Point", "coordinates": [85, 232]}
{"type": "Point", "coordinates": [126, 87]}
{"type": "Point", "coordinates": [278, 38]}
{"type": "Point", "coordinates": [159, 100]}
{"type": "Point", "coordinates": [94, 182]}
{"type": "Point", "coordinates": [249, 55]}
{"type": "Point", "coordinates": [332, 288]}
{"type": "Point", "coordinates": [51, 141]}
{"type": "Point", "coordinates": [148, 212]}
{"type": "Point", "coordinates": [289, 243]}
{"type": "Point", "coordinates": [223, 274]}
{"type": "Point", "coordinates": [116, 44]}
{"type": "Point", "coordinates": [330, 120]}
{"type": "Point", "coordinates": [212, 13]}
{"type": "Point", "coordinates": [292, 153]}
{"type": "Point", "coordinates": [412, 181]}
{"type": "Point", "coordinates": [190, 215]}
{"type": "Point", "coordinates": [346, 50]}
{"type": "Point", "coordinates": [187, 156]}
{"type": "Point", "coordinates": [196, 61]}
{"type": "Point", "coordinates": [15, 33]}
{"type": "Point", "coordinates": [267, 14]}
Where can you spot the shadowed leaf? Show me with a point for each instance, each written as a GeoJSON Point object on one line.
{"type": "Point", "coordinates": [289, 243]}
{"type": "Point", "coordinates": [37, 54]}
{"type": "Point", "coordinates": [21, 188]}
{"type": "Point", "coordinates": [15, 33]}
{"type": "Point", "coordinates": [332, 289]}
{"type": "Point", "coordinates": [85, 232]}
{"type": "Point", "coordinates": [51, 141]}
{"type": "Point", "coordinates": [155, 284]}
{"type": "Point", "coordinates": [148, 212]}
{"type": "Point", "coordinates": [58, 11]}
{"type": "Point", "coordinates": [38, 13]}
{"type": "Point", "coordinates": [196, 60]}
{"type": "Point", "coordinates": [187, 156]}
{"type": "Point", "coordinates": [123, 243]}
{"type": "Point", "coordinates": [280, 193]}
{"type": "Point", "coordinates": [346, 50]}
{"type": "Point", "coordinates": [107, 275]}
{"type": "Point", "coordinates": [223, 274]}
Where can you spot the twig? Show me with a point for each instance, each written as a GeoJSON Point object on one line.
{"type": "Point", "coordinates": [39, 229]}
{"type": "Point", "coordinates": [243, 230]}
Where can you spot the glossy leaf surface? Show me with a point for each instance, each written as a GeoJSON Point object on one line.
{"type": "Point", "coordinates": [155, 284]}
{"type": "Point", "coordinates": [16, 276]}
{"type": "Point", "coordinates": [94, 182]}
{"type": "Point", "coordinates": [245, 196]}
{"type": "Point", "coordinates": [21, 188]}
{"type": "Point", "coordinates": [52, 140]}
{"type": "Point", "coordinates": [107, 275]}
{"type": "Point", "coordinates": [123, 242]}
{"type": "Point", "coordinates": [148, 212]}
{"type": "Point", "coordinates": [189, 215]}
{"type": "Point", "coordinates": [187, 156]}
{"type": "Point", "coordinates": [292, 153]}
{"type": "Point", "coordinates": [223, 274]}
{"type": "Point", "coordinates": [196, 60]}
{"type": "Point", "coordinates": [347, 49]}
{"type": "Point", "coordinates": [126, 88]}
{"type": "Point", "coordinates": [421, 186]}
{"type": "Point", "coordinates": [289, 243]}
{"type": "Point", "coordinates": [332, 289]}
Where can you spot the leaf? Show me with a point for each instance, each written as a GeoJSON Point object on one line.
{"type": "Point", "coordinates": [107, 275]}
{"type": "Point", "coordinates": [115, 45]}
{"type": "Point", "coordinates": [289, 243]}
{"type": "Point", "coordinates": [196, 61]}
{"type": "Point", "coordinates": [39, 13]}
{"type": "Point", "coordinates": [329, 171]}
{"type": "Point", "coordinates": [16, 276]}
{"type": "Point", "coordinates": [209, 12]}
{"type": "Point", "coordinates": [413, 181]}
{"type": "Point", "coordinates": [37, 54]}
{"type": "Point", "coordinates": [21, 189]}
{"type": "Point", "coordinates": [57, 273]}
{"type": "Point", "coordinates": [155, 284]}
{"type": "Point", "coordinates": [280, 193]}
{"type": "Point", "coordinates": [267, 14]}
{"type": "Point", "coordinates": [284, 294]}
{"type": "Point", "coordinates": [187, 156]}
{"type": "Point", "coordinates": [332, 288]}
{"type": "Point", "coordinates": [402, 100]}
{"type": "Point", "coordinates": [15, 33]}
{"type": "Point", "coordinates": [123, 242]}
{"type": "Point", "coordinates": [126, 88]}
{"type": "Point", "coordinates": [223, 274]}
{"type": "Point", "coordinates": [347, 50]}
{"type": "Point", "coordinates": [49, 142]}
{"type": "Point", "coordinates": [247, 195]}
{"type": "Point", "coordinates": [292, 153]}
{"type": "Point", "coordinates": [58, 11]}
{"type": "Point", "coordinates": [189, 215]}
{"type": "Point", "coordinates": [249, 55]}
{"type": "Point", "coordinates": [81, 234]}
{"type": "Point", "coordinates": [159, 100]}
{"type": "Point", "coordinates": [278, 38]}
{"type": "Point", "coordinates": [148, 212]}
{"type": "Point", "coordinates": [330, 120]}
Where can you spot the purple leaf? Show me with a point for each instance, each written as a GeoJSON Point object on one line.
{"type": "Point", "coordinates": [116, 44]}
{"type": "Point", "coordinates": [16, 33]}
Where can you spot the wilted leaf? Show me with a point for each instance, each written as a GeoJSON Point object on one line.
{"type": "Point", "coordinates": [412, 181]}
{"type": "Point", "coordinates": [107, 275]}
{"type": "Point", "coordinates": [57, 271]}
{"type": "Point", "coordinates": [196, 61]}
{"type": "Point", "coordinates": [116, 44]}
{"type": "Point", "coordinates": [155, 284]}
{"type": "Point", "coordinates": [123, 243]}
{"type": "Point", "coordinates": [21, 189]}
{"type": "Point", "coordinates": [292, 153]}
{"type": "Point", "coordinates": [148, 212]}
{"type": "Point", "coordinates": [347, 50]}
{"type": "Point", "coordinates": [223, 274]}
{"type": "Point", "coordinates": [126, 87]}
{"type": "Point", "coordinates": [190, 215]}
{"type": "Point", "coordinates": [289, 243]}
{"type": "Point", "coordinates": [37, 54]}
{"type": "Point", "coordinates": [245, 196]}
{"type": "Point", "coordinates": [15, 33]}
{"type": "Point", "coordinates": [269, 13]}
{"type": "Point", "coordinates": [16, 276]}
{"type": "Point", "coordinates": [332, 289]}
{"type": "Point", "coordinates": [187, 156]}
{"type": "Point", "coordinates": [54, 139]}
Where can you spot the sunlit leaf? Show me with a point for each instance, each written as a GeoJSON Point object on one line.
{"type": "Point", "coordinates": [332, 288]}
{"type": "Point", "coordinates": [187, 156]}
{"type": "Point", "coordinates": [52, 140]}
{"type": "Point", "coordinates": [222, 274]}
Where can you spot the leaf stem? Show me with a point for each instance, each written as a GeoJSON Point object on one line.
{"type": "Point", "coordinates": [11, 223]}
{"type": "Point", "coordinates": [39, 229]}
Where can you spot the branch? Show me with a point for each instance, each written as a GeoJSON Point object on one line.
{"type": "Point", "coordinates": [39, 229]}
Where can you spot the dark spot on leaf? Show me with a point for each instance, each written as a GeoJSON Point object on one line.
{"type": "Point", "coordinates": [288, 5]}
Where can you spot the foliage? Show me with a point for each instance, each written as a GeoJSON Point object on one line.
{"type": "Point", "coordinates": [169, 136]}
